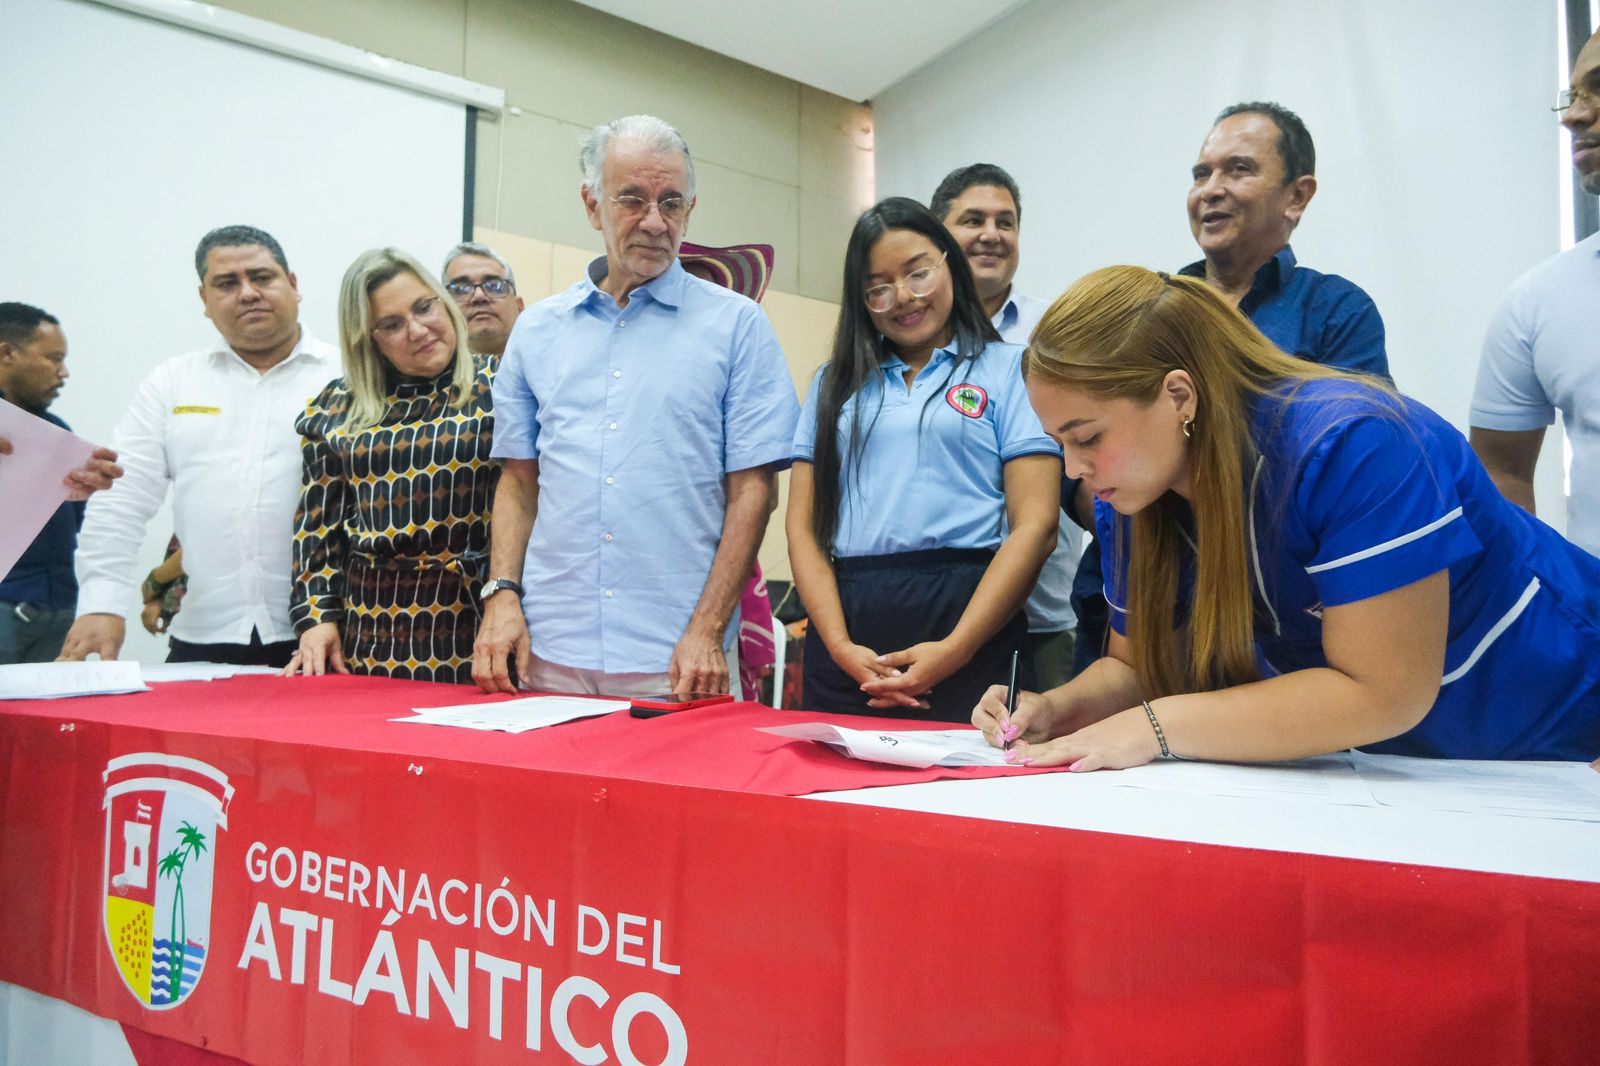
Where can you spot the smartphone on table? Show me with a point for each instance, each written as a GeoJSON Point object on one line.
{"type": "Point", "coordinates": [655, 706]}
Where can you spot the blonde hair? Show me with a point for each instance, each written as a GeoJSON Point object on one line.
{"type": "Point", "coordinates": [1118, 333]}
{"type": "Point", "coordinates": [365, 368]}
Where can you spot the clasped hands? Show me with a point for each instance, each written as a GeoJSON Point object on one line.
{"type": "Point", "coordinates": [899, 678]}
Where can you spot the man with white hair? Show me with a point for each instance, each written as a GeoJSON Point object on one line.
{"type": "Point", "coordinates": [482, 283]}
{"type": "Point", "coordinates": [641, 417]}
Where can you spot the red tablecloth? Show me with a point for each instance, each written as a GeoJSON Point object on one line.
{"type": "Point", "coordinates": [709, 747]}
{"type": "Point", "coordinates": [508, 913]}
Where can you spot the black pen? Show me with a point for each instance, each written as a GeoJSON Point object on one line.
{"type": "Point", "coordinates": [1011, 694]}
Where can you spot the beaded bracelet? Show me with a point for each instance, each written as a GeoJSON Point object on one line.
{"type": "Point", "coordinates": [1161, 738]}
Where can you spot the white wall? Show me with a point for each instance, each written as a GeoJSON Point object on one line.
{"type": "Point", "coordinates": [132, 138]}
{"type": "Point", "coordinates": [1436, 149]}
{"type": "Point", "coordinates": [779, 162]}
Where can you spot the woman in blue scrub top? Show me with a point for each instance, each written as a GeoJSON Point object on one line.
{"type": "Point", "coordinates": [916, 452]}
{"type": "Point", "coordinates": [1299, 561]}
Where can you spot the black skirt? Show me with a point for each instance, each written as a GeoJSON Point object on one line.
{"type": "Point", "coordinates": [894, 601]}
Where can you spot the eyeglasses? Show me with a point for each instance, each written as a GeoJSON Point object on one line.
{"type": "Point", "coordinates": [423, 310]}
{"type": "Point", "coordinates": [1567, 97]}
{"type": "Point", "coordinates": [918, 283]}
{"type": "Point", "coordinates": [672, 208]}
{"type": "Point", "coordinates": [493, 288]}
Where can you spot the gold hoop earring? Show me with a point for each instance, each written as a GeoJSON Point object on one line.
{"type": "Point", "coordinates": [1188, 428]}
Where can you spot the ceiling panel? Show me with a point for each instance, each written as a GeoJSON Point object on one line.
{"type": "Point", "coordinates": [851, 48]}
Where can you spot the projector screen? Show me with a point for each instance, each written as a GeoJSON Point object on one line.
{"type": "Point", "coordinates": [128, 138]}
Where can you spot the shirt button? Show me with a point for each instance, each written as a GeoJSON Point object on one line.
{"type": "Point", "coordinates": [609, 594]}
{"type": "Point", "coordinates": [621, 322]}
{"type": "Point", "coordinates": [616, 373]}
{"type": "Point", "coordinates": [611, 481]}
{"type": "Point", "coordinates": [608, 536]}
{"type": "Point", "coordinates": [613, 425]}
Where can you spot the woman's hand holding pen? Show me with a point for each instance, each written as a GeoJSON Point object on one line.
{"type": "Point", "coordinates": [1032, 720]}
{"type": "Point", "coordinates": [1124, 739]}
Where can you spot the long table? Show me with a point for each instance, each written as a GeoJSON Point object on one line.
{"type": "Point", "coordinates": [362, 890]}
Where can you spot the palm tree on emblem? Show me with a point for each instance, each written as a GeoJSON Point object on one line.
{"type": "Point", "coordinates": [190, 842]}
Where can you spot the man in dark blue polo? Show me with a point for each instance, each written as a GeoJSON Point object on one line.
{"type": "Point", "coordinates": [38, 596]}
{"type": "Point", "coordinates": [1252, 183]}
{"type": "Point", "coordinates": [1253, 180]}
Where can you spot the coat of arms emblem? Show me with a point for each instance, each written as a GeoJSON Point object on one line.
{"type": "Point", "coordinates": [967, 398]}
{"type": "Point", "coordinates": [162, 817]}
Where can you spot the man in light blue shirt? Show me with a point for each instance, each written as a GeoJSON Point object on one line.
{"type": "Point", "coordinates": [641, 417]}
{"type": "Point", "coordinates": [982, 208]}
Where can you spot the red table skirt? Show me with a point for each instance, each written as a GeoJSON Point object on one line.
{"type": "Point", "coordinates": [510, 913]}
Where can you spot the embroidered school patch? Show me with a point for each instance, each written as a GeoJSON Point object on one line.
{"type": "Point", "coordinates": [969, 400]}
{"type": "Point", "coordinates": [196, 409]}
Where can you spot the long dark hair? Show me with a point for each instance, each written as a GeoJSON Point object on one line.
{"type": "Point", "coordinates": [858, 347]}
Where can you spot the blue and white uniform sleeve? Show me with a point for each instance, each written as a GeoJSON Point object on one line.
{"type": "Point", "coordinates": [805, 430]}
{"type": "Point", "coordinates": [1509, 395]}
{"type": "Point", "coordinates": [758, 414]}
{"type": "Point", "coordinates": [516, 409]}
{"type": "Point", "coordinates": [1114, 543]}
{"type": "Point", "coordinates": [1017, 426]}
{"type": "Point", "coordinates": [1382, 512]}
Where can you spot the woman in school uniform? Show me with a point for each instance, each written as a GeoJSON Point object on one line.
{"type": "Point", "coordinates": [1299, 561]}
{"type": "Point", "coordinates": [916, 453]}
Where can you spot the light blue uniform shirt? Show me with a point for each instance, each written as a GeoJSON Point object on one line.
{"type": "Point", "coordinates": [1018, 315]}
{"type": "Point", "coordinates": [635, 415]}
{"type": "Point", "coordinates": [1348, 503]}
{"type": "Point", "coordinates": [1049, 607]}
{"type": "Point", "coordinates": [930, 474]}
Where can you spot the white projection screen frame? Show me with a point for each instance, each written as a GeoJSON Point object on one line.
{"type": "Point", "coordinates": [130, 136]}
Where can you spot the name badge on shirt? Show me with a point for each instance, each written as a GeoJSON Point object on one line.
{"type": "Point", "coordinates": [196, 409]}
{"type": "Point", "coordinates": [969, 400]}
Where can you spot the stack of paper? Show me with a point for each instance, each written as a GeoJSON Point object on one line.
{"type": "Point", "coordinates": [920, 749]}
{"type": "Point", "coordinates": [189, 671]}
{"type": "Point", "coordinates": [1563, 790]}
{"type": "Point", "coordinates": [32, 477]}
{"type": "Point", "coordinates": [1327, 779]}
{"type": "Point", "coordinates": [1566, 790]}
{"type": "Point", "coordinates": [50, 681]}
{"type": "Point", "coordinates": [514, 716]}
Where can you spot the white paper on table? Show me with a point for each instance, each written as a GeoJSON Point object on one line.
{"type": "Point", "coordinates": [159, 672]}
{"type": "Point", "coordinates": [49, 681]}
{"type": "Point", "coordinates": [42, 455]}
{"type": "Point", "coordinates": [919, 749]}
{"type": "Point", "coordinates": [514, 716]}
{"type": "Point", "coordinates": [1564, 790]}
{"type": "Point", "coordinates": [1325, 779]}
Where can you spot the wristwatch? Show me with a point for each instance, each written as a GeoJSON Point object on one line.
{"type": "Point", "coordinates": [497, 585]}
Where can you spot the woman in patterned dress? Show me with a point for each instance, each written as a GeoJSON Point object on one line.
{"type": "Point", "coordinates": [392, 533]}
